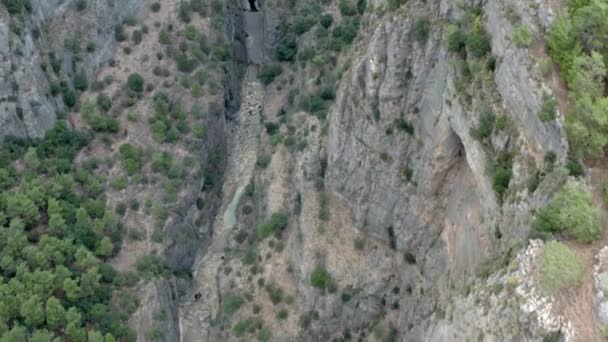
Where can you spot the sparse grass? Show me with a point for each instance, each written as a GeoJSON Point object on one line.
{"type": "Point", "coordinates": [522, 37]}
{"type": "Point", "coordinates": [231, 303]}
{"type": "Point", "coordinates": [560, 267]}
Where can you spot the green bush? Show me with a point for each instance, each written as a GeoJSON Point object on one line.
{"type": "Point", "coordinates": [563, 46]}
{"type": "Point", "coordinates": [155, 7]}
{"type": "Point", "coordinates": [131, 157]}
{"type": "Point", "coordinates": [478, 41]}
{"type": "Point", "coordinates": [264, 335]}
{"type": "Point", "coordinates": [264, 161]}
{"type": "Point", "coordinates": [548, 108]}
{"type": "Point", "coordinates": [80, 81]}
{"type": "Point", "coordinates": [571, 211]}
{"type": "Point", "coordinates": [287, 49]}
{"type": "Point", "coordinates": [560, 267]}
{"type": "Point", "coordinates": [137, 37]}
{"type": "Point", "coordinates": [249, 325]}
{"type": "Point", "coordinates": [282, 314]}
{"type": "Point", "coordinates": [17, 6]}
{"type": "Point", "coordinates": [501, 177]}
{"type": "Point", "coordinates": [326, 20]}
{"type": "Point", "coordinates": [322, 280]}
{"type": "Point", "coordinates": [275, 224]}
{"type": "Point", "coordinates": [150, 266]}
{"type": "Point", "coordinates": [485, 127]}
{"type": "Point", "coordinates": [421, 30]}
{"type": "Point", "coordinates": [394, 4]}
{"type": "Point", "coordinates": [587, 75]}
{"type": "Point", "coordinates": [275, 293]}
{"type": "Point", "coordinates": [119, 33]}
{"type": "Point", "coordinates": [345, 33]}
{"type": "Point", "coordinates": [522, 36]}
{"type": "Point", "coordinates": [347, 8]}
{"type": "Point", "coordinates": [135, 83]}
{"type": "Point", "coordinates": [231, 303]}
{"type": "Point", "coordinates": [164, 37]}
{"type": "Point", "coordinates": [184, 63]}
{"type": "Point", "coordinates": [191, 33]}
{"type": "Point", "coordinates": [455, 39]}
{"type": "Point", "coordinates": [302, 24]}
{"type": "Point", "coordinates": [104, 102]}
{"type": "Point", "coordinates": [269, 72]}
{"type": "Point", "coordinates": [586, 126]}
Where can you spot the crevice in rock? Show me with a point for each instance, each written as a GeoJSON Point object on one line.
{"type": "Point", "coordinates": [253, 6]}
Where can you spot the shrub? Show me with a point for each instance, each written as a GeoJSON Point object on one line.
{"type": "Point", "coordinates": [478, 41]}
{"type": "Point", "coordinates": [282, 314]}
{"type": "Point", "coordinates": [119, 33]}
{"type": "Point", "coordinates": [155, 7]}
{"type": "Point", "coordinates": [548, 108]}
{"type": "Point", "coordinates": [81, 5]}
{"type": "Point", "coordinates": [345, 33]}
{"type": "Point", "coordinates": [359, 244]}
{"type": "Point", "coordinates": [275, 293]}
{"type": "Point", "coordinates": [264, 335]}
{"type": "Point", "coordinates": [135, 83]}
{"type": "Point", "coordinates": [405, 126]}
{"type": "Point", "coordinates": [394, 4]}
{"type": "Point", "coordinates": [191, 32]}
{"type": "Point", "coordinates": [522, 36]}
{"type": "Point", "coordinates": [322, 280]}
{"type": "Point", "coordinates": [150, 265]}
{"type": "Point", "coordinates": [587, 75]}
{"type": "Point", "coordinates": [80, 81]}
{"type": "Point", "coordinates": [137, 37]}
{"type": "Point", "coordinates": [501, 174]}
{"type": "Point", "coordinates": [571, 211]}
{"type": "Point", "coordinates": [164, 37]}
{"type": "Point", "coordinates": [421, 30]}
{"type": "Point", "coordinates": [269, 72]}
{"type": "Point", "coordinates": [302, 24]}
{"type": "Point", "coordinates": [184, 63]}
{"type": "Point", "coordinates": [326, 20]}
{"type": "Point", "coordinates": [287, 49]}
{"type": "Point", "coordinates": [361, 6]}
{"type": "Point", "coordinates": [575, 168]}
{"type": "Point", "coordinates": [455, 39]}
{"type": "Point", "coordinates": [560, 267]}
{"type": "Point", "coordinates": [347, 8]}
{"type": "Point", "coordinates": [586, 126]}
{"type": "Point", "coordinates": [104, 102]}
{"type": "Point", "coordinates": [264, 161]}
{"type": "Point", "coordinates": [563, 46]}
{"type": "Point", "coordinates": [231, 303]}
{"type": "Point", "coordinates": [249, 325]}
{"type": "Point", "coordinates": [69, 98]}
{"type": "Point", "coordinates": [275, 224]}
{"type": "Point", "coordinates": [131, 158]}
{"type": "Point", "coordinates": [485, 127]}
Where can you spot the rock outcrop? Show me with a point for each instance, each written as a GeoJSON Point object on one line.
{"type": "Point", "coordinates": [54, 35]}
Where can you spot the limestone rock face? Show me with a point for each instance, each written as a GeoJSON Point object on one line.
{"type": "Point", "coordinates": [431, 188]}
{"type": "Point", "coordinates": [27, 109]}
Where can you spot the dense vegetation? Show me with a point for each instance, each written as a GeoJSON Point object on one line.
{"type": "Point", "coordinates": [56, 235]}
{"type": "Point", "coordinates": [578, 42]}
{"type": "Point", "coordinates": [572, 212]}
